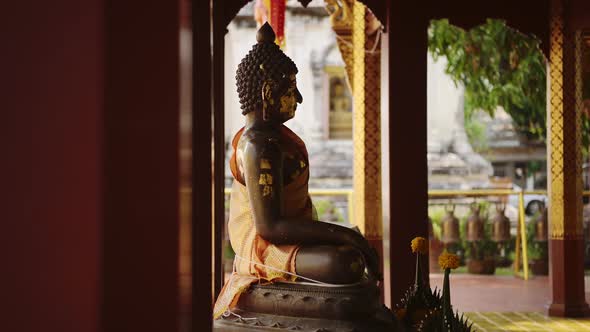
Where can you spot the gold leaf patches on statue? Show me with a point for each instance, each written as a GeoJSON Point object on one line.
{"type": "Point", "coordinates": [267, 92]}
{"type": "Point", "coordinates": [264, 164]}
{"type": "Point", "coordinates": [265, 179]}
{"type": "Point", "coordinates": [266, 191]}
{"type": "Point", "coordinates": [302, 164]}
{"type": "Point", "coordinates": [287, 104]}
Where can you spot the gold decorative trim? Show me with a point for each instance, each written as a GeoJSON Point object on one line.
{"type": "Point", "coordinates": [358, 84]}
{"type": "Point", "coordinates": [565, 128]}
{"type": "Point", "coordinates": [372, 115]}
{"type": "Point", "coordinates": [349, 21]}
{"type": "Point", "coordinates": [556, 122]}
{"type": "Point", "coordinates": [366, 84]}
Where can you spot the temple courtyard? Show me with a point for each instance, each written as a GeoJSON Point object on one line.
{"type": "Point", "coordinates": [507, 303]}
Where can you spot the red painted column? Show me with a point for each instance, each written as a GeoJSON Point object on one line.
{"type": "Point", "coordinates": [141, 166]}
{"type": "Point", "coordinates": [202, 260]}
{"type": "Point", "coordinates": [566, 246]}
{"type": "Point", "coordinates": [90, 166]}
{"type": "Point", "coordinates": [51, 102]}
{"type": "Point", "coordinates": [408, 198]}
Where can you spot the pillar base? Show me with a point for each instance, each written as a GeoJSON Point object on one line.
{"type": "Point", "coordinates": [567, 278]}
{"type": "Point", "coordinates": [563, 310]}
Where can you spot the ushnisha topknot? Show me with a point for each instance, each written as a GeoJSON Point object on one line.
{"type": "Point", "coordinates": [265, 34]}
{"type": "Point", "coordinates": [264, 61]}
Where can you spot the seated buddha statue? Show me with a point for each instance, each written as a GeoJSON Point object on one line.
{"type": "Point", "coordinates": [272, 227]}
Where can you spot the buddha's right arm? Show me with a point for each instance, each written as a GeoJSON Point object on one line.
{"type": "Point", "coordinates": [263, 172]}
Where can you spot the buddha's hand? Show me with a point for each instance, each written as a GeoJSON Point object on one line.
{"type": "Point", "coordinates": [373, 266]}
{"type": "Point", "coordinates": [372, 259]}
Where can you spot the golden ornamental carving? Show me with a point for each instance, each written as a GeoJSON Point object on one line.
{"type": "Point", "coordinates": [565, 188]}
{"type": "Point", "coordinates": [366, 82]}
{"type": "Point", "coordinates": [358, 82]}
{"type": "Point", "coordinates": [556, 123]}
{"type": "Point", "coordinates": [341, 19]}
{"type": "Point", "coordinates": [372, 116]}
{"type": "Point", "coordinates": [340, 14]}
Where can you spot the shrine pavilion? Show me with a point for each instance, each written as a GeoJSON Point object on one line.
{"type": "Point", "coordinates": [116, 151]}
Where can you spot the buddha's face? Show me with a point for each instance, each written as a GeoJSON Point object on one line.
{"type": "Point", "coordinates": [289, 100]}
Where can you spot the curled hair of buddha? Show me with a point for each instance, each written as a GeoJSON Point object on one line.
{"type": "Point", "coordinates": [266, 61]}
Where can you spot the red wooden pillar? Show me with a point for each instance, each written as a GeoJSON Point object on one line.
{"type": "Point", "coordinates": [141, 166]}
{"type": "Point", "coordinates": [51, 175]}
{"type": "Point", "coordinates": [91, 236]}
{"type": "Point", "coordinates": [566, 245]}
{"type": "Point", "coordinates": [202, 262]}
{"type": "Point", "coordinates": [219, 32]}
{"type": "Point", "coordinates": [408, 199]}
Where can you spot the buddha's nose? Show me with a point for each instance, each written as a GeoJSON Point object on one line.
{"type": "Point", "coordinates": [298, 96]}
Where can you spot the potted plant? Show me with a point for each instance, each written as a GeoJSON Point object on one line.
{"type": "Point", "coordinates": [481, 257]}
{"type": "Point", "coordinates": [505, 257]}
{"type": "Point", "coordinates": [538, 259]}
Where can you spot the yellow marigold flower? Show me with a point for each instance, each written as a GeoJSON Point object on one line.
{"type": "Point", "coordinates": [448, 261]}
{"type": "Point", "coordinates": [419, 245]}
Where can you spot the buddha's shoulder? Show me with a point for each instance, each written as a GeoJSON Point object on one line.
{"type": "Point", "coordinates": [259, 139]}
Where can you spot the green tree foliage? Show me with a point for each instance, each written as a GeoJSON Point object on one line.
{"type": "Point", "coordinates": [476, 132]}
{"type": "Point", "coordinates": [498, 66]}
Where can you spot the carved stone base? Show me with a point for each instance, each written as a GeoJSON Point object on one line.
{"type": "Point", "coordinates": [312, 301]}
{"type": "Point", "coordinates": [303, 307]}
{"type": "Point", "coordinates": [248, 321]}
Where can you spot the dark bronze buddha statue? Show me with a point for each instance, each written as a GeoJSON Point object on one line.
{"type": "Point", "coordinates": [290, 269]}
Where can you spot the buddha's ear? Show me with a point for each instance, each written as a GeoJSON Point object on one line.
{"type": "Point", "coordinates": [267, 99]}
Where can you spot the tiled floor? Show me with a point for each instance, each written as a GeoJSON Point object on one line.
{"type": "Point", "coordinates": [505, 303]}
{"type": "Point", "coordinates": [471, 292]}
{"type": "Point", "coordinates": [524, 321]}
